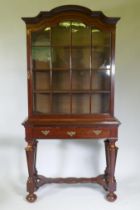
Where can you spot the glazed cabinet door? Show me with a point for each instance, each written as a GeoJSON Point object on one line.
{"type": "Point", "coordinates": [71, 68]}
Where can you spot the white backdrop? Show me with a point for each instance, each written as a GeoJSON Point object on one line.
{"type": "Point", "coordinates": [69, 158]}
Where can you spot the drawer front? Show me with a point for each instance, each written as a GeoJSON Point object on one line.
{"type": "Point", "coordinates": [70, 133]}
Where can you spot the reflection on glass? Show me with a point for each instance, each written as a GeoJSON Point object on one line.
{"type": "Point", "coordinates": [42, 103]}
{"type": "Point", "coordinates": [61, 80]}
{"type": "Point", "coordinates": [41, 57]}
{"type": "Point", "coordinates": [41, 80]}
{"type": "Point", "coordinates": [80, 80]}
{"type": "Point", "coordinates": [80, 103]}
{"type": "Point", "coordinates": [61, 104]}
{"type": "Point", "coordinates": [101, 80]}
{"type": "Point", "coordinates": [100, 103]}
{"type": "Point", "coordinates": [100, 49]}
{"type": "Point", "coordinates": [61, 34]}
{"type": "Point", "coordinates": [81, 34]}
{"type": "Point", "coordinates": [41, 38]}
{"type": "Point", "coordinates": [60, 57]}
{"type": "Point", "coordinates": [81, 58]}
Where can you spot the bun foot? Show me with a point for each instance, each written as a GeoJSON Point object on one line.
{"type": "Point", "coordinates": [111, 197]}
{"type": "Point", "coordinates": [31, 198]}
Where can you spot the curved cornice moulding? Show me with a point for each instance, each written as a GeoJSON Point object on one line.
{"type": "Point", "coordinates": [71, 8]}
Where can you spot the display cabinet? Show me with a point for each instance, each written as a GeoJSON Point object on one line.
{"type": "Point", "coordinates": [70, 72]}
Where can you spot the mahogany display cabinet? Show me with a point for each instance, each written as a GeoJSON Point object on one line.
{"type": "Point", "coordinates": [70, 73]}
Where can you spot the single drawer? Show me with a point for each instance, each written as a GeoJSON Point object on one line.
{"type": "Point", "coordinates": [70, 132]}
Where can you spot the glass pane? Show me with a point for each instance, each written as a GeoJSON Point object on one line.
{"type": "Point", "coordinates": [41, 80]}
{"type": "Point", "coordinates": [60, 57]}
{"type": "Point", "coordinates": [81, 80]}
{"type": "Point", "coordinates": [100, 103]}
{"type": "Point", "coordinates": [41, 57]}
{"type": "Point", "coordinates": [81, 58]}
{"type": "Point", "coordinates": [101, 43]}
{"type": "Point", "coordinates": [42, 103]}
{"type": "Point", "coordinates": [80, 103]}
{"type": "Point", "coordinates": [61, 103]}
{"type": "Point", "coordinates": [61, 80]}
{"type": "Point", "coordinates": [61, 34]}
{"type": "Point", "coordinates": [81, 34]}
{"type": "Point", "coordinates": [41, 38]}
{"type": "Point", "coordinates": [101, 80]}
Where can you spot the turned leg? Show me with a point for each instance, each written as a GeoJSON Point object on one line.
{"type": "Point", "coordinates": [106, 142]}
{"type": "Point", "coordinates": [31, 161]}
{"type": "Point", "coordinates": [111, 154]}
{"type": "Point", "coordinates": [107, 157]}
{"type": "Point", "coordinates": [35, 156]}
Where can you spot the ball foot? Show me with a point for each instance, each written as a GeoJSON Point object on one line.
{"type": "Point", "coordinates": [111, 197]}
{"type": "Point", "coordinates": [31, 197]}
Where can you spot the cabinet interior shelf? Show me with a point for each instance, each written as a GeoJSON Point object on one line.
{"type": "Point", "coordinates": [70, 46]}
{"type": "Point", "coordinates": [71, 69]}
{"type": "Point", "coordinates": [71, 91]}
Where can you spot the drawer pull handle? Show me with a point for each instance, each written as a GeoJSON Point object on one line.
{"type": "Point", "coordinates": [71, 133]}
{"type": "Point", "coordinates": [97, 132]}
{"type": "Point", "coordinates": [45, 132]}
